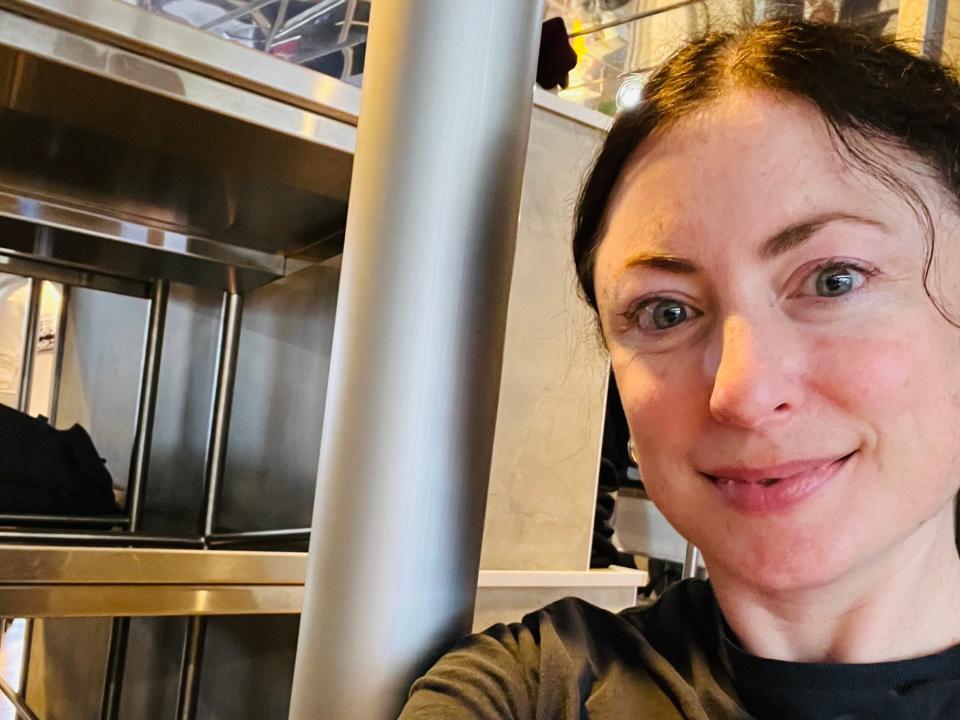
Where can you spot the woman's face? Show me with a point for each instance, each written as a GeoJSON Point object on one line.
{"type": "Point", "coordinates": [793, 393]}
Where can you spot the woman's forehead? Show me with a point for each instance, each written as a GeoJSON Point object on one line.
{"type": "Point", "coordinates": [738, 170]}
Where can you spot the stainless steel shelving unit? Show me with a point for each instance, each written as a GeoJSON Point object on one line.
{"type": "Point", "coordinates": [230, 170]}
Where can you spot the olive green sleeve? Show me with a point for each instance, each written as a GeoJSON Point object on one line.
{"type": "Point", "coordinates": [490, 676]}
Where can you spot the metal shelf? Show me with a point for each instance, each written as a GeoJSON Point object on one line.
{"type": "Point", "coordinates": [130, 566]}
{"type": "Point", "coordinates": [123, 582]}
{"type": "Point", "coordinates": [135, 152]}
{"type": "Point", "coordinates": [120, 166]}
{"type": "Point", "coordinates": [114, 582]}
{"type": "Point", "coordinates": [32, 601]}
{"type": "Point", "coordinates": [186, 47]}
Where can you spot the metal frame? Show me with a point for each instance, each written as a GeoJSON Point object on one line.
{"type": "Point", "coordinates": [147, 403]}
{"type": "Point", "coordinates": [922, 25]}
{"type": "Point", "coordinates": [58, 520]}
{"type": "Point", "coordinates": [68, 276]}
{"type": "Point", "coordinates": [231, 317]}
{"type": "Point", "coordinates": [189, 691]}
{"type": "Point", "coordinates": [103, 538]}
{"type": "Point", "coordinates": [127, 599]}
{"type": "Point", "coordinates": [632, 18]}
{"type": "Point", "coordinates": [299, 104]}
{"type": "Point", "coordinates": [254, 537]}
{"type": "Point", "coordinates": [116, 662]}
{"type": "Point", "coordinates": [19, 704]}
{"type": "Point", "coordinates": [112, 582]}
{"type": "Point", "coordinates": [28, 345]}
{"type": "Point", "coordinates": [54, 408]}
{"type": "Point", "coordinates": [51, 229]}
{"type": "Point", "coordinates": [17, 696]}
{"type": "Point", "coordinates": [288, 86]}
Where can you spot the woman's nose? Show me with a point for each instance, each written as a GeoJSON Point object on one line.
{"type": "Point", "coordinates": [751, 384]}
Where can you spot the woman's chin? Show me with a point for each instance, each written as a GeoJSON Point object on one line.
{"type": "Point", "coordinates": [780, 567]}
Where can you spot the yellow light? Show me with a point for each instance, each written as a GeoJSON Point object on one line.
{"type": "Point", "coordinates": [579, 44]}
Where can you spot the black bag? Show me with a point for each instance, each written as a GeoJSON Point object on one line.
{"type": "Point", "coordinates": [45, 471]}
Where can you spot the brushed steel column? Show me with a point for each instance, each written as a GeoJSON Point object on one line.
{"type": "Point", "coordinates": [415, 368]}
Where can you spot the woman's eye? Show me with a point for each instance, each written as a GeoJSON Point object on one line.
{"type": "Point", "coordinates": [837, 279]}
{"type": "Point", "coordinates": [661, 314]}
{"type": "Point", "coordinates": [667, 314]}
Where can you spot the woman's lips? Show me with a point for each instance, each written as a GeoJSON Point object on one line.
{"type": "Point", "coordinates": [773, 489]}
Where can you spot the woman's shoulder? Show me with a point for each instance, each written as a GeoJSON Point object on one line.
{"type": "Point", "coordinates": [688, 606]}
{"type": "Point", "coordinates": [549, 663]}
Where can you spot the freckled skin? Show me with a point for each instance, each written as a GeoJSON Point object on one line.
{"type": "Point", "coordinates": [767, 374]}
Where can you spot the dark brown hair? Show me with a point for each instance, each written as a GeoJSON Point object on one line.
{"type": "Point", "coordinates": [873, 94]}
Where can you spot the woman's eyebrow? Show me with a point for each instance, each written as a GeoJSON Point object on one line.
{"type": "Point", "coordinates": [798, 233]}
{"type": "Point", "coordinates": [661, 261]}
{"type": "Point", "coordinates": [790, 237]}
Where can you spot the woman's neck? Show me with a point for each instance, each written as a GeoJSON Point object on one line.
{"type": "Point", "coordinates": [905, 604]}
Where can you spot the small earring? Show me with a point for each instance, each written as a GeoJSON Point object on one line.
{"type": "Point", "coordinates": [632, 452]}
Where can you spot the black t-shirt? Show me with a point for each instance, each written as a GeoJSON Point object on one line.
{"type": "Point", "coordinates": [673, 660]}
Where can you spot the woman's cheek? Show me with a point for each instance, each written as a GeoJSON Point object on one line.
{"type": "Point", "coordinates": [664, 408]}
{"type": "Point", "coordinates": [899, 394]}
{"type": "Point", "coordinates": [868, 377]}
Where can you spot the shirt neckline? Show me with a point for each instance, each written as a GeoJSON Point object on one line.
{"type": "Point", "coordinates": [745, 668]}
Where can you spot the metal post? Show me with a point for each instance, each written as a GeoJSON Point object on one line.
{"type": "Point", "coordinates": [190, 668]}
{"type": "Point", "coordinates": [230, 321]}
{"type": "Point", "coordinates": [58, 360]}
{"type": "Point", "coordinates": [929, 27]}
{"type": "Point", "coordinates": [25, 656]}
{"type": "Point", "coordinates": [116, 662]}
{"type": "Point", "coordinates": [690, 561]}
{"type": "Point", "coordinates": [28, 345]}
{"type": "Point", "coordinates": [417, 352]}
{"type": "Point", "coordinates": [146, 407]}
{"type": "Point", "coordinates": [139, 470]}
{"type": "Point", "coordinates": [23, 710]}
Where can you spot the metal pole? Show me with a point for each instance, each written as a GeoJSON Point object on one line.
{"type": "Point", "coordinates": [257, 536]}
{"type": "Point", "coordinates": [23, 710]}
{"type": "Point", "coordinates": [230, 321]}
{"type": "Point", "coordinates": [25, 657]}
{"type": "Point", "coordinates": [139, 470]}
{"type": "Point", "coordinates": [24, 520]}
{"type": "Point", "coordinates": [146, 407]}
{"type": "Point", "coordinates": [58, 360]}
{"type": "Point", "coordinates": [632, 18]}
{"type": "Point", "coordinates": [690, 561]}
{"type": "Point", "coordinates": [116, 662]}
{"type": "Point", "coordinates": [108, 538]}
{"type": "Point", "coordinates": [28, 346]}
{"type": "Point", "coordinates": [190, 668]}
{"type": "Point", "coordinates": [929, 28]}
{"type": "Point", "coordinates": [415, 369]}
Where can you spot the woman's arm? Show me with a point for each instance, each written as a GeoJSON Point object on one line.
{"type": "Point", "coordinates": [490, 676]}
